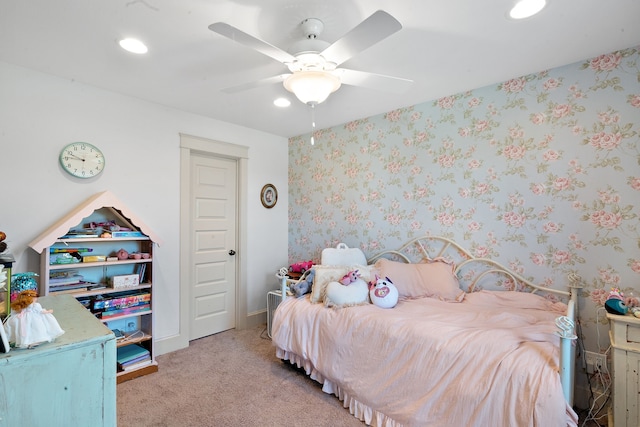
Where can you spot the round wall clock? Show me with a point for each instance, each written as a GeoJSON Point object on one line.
{"type": "Point", "coordinates": [269, 196]}
{"type": "Point", "coordinates": [82, 160]}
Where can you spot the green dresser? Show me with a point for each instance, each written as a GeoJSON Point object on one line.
{"type": "Point", "coordinates": [69, 382]}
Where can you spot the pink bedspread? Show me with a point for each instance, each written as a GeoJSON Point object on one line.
{"type": "Point", "coordinates": [489, 361]}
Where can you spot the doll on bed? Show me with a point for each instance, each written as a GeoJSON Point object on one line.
{"type": "Point", "coordinates": [29, 324]}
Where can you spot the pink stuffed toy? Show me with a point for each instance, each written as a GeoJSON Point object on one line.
{"type": "Point", "coordinates": [350, 277]}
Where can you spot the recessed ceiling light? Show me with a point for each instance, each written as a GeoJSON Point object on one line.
{"type": "Point", "coordinates": [282, 102]}
{"type": "Point", "coordinates": [133, 46]}
{"type": "Point", "coordinates": [526, 8]}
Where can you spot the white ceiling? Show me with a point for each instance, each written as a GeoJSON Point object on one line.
{"type": "Point", "coordinates": [445, 47]}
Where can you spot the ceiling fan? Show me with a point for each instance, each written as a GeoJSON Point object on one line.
{"type": "Point", "coordinates": [313, 63]}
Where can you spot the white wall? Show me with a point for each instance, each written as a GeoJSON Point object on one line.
{"type": "Point", "coordinates": [40, 113]}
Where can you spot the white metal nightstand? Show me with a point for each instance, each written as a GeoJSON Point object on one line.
{"type": "Point", "coordinates": [273, 299]}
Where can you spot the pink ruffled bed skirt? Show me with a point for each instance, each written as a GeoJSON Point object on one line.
{"type": "Point", "coordinates": [359, 410]}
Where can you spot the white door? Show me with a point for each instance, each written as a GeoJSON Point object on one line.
{"type": "Point", "coordinates": [213, 245]}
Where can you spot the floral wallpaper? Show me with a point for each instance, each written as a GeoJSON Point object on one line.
{"type": "Point", "coordinates": [541, 172]}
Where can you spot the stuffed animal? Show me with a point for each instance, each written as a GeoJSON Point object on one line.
{"type": "Point", "coordinates": [383, 293]}
{"type": "Point", "coordinates": [350, 277]}
{"type": "Point", "coordinates": [615, 303]}
{"type": "Point", "coordinates": [303, 286]}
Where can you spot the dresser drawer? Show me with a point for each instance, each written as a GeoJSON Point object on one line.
{"type": "Point", "coordinates": [625, 332]}
{"type": "Point", "coordinates": [633, 334]}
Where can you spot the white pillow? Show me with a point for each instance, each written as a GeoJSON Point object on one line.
{"type": "Point", "coordinates": [343, 255]}
{"type": "Point", "coordinates": [339, 295]}
{"type": "Point", "coordinates": [324, 274]}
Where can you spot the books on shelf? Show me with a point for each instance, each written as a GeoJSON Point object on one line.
{"type": "Point", "coordinates": [121, 301]}
{"type": "Point", "coordinates": [69, 279]}
{"type": "Point", "coordinates": [74, 290]}
{"type": "Point", "coordinates": [137, 365]}
{"type": "Point", "coordinates": [65, 250]}
{"type": "Point", "coordinates": [75, 234]}
{"type": "Point", "coordinates": [71, 287]}
{"type": "Point", "coordinates": [142, 269]}
{"type": "Point", "coordinates": [136, 359]}
{"type": "Point", "coordinates": [116, 304]}
{"type": "Point", "coordinates": [116, 234]}
{"type": "Point", "coordinates": [110, 314]}
{"type": "Point", "coordinates": [128, 355]}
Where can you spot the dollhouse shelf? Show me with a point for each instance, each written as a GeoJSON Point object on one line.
{"type": "Point", "coordinates": [75, 217]}
{"type": "Point", "coordinates": [136, 321]}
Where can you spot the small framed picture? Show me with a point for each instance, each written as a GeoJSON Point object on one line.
{"type": "Point", "coordinates": [269, 196]}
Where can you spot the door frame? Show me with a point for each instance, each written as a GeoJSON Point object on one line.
{"type": "Point", "coordinates": [196, 145]}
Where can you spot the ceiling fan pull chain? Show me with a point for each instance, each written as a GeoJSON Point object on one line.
{"type": "Point", "coordinates": [313, 122]}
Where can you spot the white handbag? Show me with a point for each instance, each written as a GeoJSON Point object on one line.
{"type": "Point", "coordinates": [343, 255]}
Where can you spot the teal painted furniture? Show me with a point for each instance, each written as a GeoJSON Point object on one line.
{"type": "Point", "coordinates": [68, 382]}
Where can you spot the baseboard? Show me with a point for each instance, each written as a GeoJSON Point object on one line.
{"type": "Point", "coordinates": [170, 344]}
{"type": "Point", "coordinates": [256, 318]}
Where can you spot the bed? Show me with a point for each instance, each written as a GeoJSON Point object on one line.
{"type": "Point", "coordinates": [501, 355]}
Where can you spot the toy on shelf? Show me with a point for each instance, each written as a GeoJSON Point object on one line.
{"type": "Point", "coordinates": [106, 226]}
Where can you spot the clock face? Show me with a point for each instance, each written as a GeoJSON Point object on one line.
{"type": "Point", "coordinates": [82, 160]}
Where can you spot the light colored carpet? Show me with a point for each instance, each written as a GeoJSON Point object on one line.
{"type": "Point", "coordinates": [229, 379]}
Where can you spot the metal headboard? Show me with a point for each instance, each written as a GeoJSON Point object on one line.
{"type": "Point", "coordinates": [469, 269]}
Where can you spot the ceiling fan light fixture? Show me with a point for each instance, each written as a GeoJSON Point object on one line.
{"type": "Point", "coordinates": [312, 87]}
{"type": "Point", "coordinates": [526, 8]}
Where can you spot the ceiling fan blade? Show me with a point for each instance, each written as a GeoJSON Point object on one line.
{"type": "Point", "coordinates": [373, 81]}
{"type": "Point", "coordinates": [252, 85]}
{"type": "Point", "coordinates": [375, 28]}
{"type": "Point", "coordinates": [248, 40]}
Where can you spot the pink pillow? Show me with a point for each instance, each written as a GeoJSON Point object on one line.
{"type": "Point", "coordinates": [433, 279]}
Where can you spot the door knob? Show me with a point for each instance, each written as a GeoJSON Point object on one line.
{"type": "Point", "coordinates": [232, 252]}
